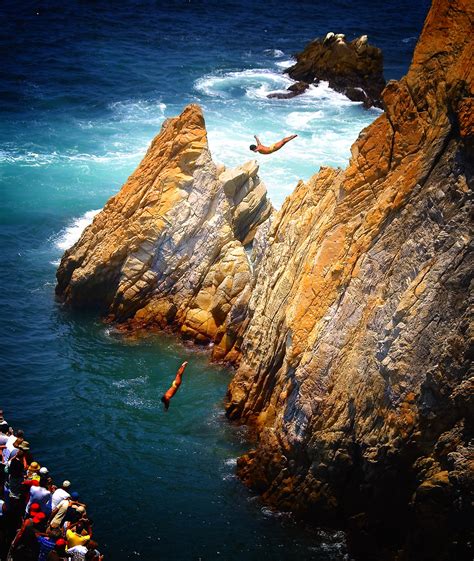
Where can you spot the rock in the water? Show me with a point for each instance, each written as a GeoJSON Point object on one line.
{"type": "Point", "coordinates": [356, 355]}
{"type": "Point", "coordinates": [168, 249]}
{"type": "Point", "coordinates": [291, 91]}
{"type": "Point", "coordinates": [348, 67]}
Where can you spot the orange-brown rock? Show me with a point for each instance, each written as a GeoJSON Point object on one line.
{"type": "Point", "coordinates": [168, 249]}
{"type": "Point", "coordinates": [353, 68]}
{"type": "Point", "coordinates": [357, 347]}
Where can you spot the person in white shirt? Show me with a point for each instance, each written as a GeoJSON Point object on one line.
{"type": "Point", "coordinates": [3, 443]}
{"type": "Point", "coordinates": [40, 494]}
{"type": "Point", "coordinates": [3, 422]}
{"type": "Point", "coordinates": [78, 552]}
{"type": "Point", "coordinates": [60, 494]}
{"type": "Point", "coordinates": [10, 450]}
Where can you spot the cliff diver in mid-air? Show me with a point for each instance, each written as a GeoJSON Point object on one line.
{"type": "Point", "coordinates": [261, 149]}
{"type": "Point", "coordinates": [174, 386]}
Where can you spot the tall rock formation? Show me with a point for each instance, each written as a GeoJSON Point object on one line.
{"type": "Point", "coordinates": [355, 359]}
{"type": "Point", "coordinates": [168, 249]}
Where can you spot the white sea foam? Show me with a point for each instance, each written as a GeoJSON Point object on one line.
{"type": "Point", "coordinates": [253, 83]}
{"type": "Point", "coordinates": [323, 94]}
{"type": "Point", "coordinates": [69, 236]}
{"type": "Point", "coordinates": [274, 52]}
{"type": "Point", "coordinates": [285, 63]}
{"type": "Point", "coordinates": [132, 382]}
{"type": "Point", "coordinates": [138, 111]}
{"type": "Point", "coordinates": [34, 159]}
{"type": "Point", "coordinates": [409, 39]}
{"type": "Point", "coordinates": [301, 120]}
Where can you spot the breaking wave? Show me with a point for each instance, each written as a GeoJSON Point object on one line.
{"type": "Point", "coordinates": [69, 235]}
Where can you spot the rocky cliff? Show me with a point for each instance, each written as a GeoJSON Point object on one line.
{"type": "Point", "coordinates": [355, 359]}
{"type": "Point", "coordinates": [350, 320]}
{"type": "Point", "coordinates": [168, 249]}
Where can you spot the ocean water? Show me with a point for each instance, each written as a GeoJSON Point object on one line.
{"type": "Point", "coordinates": [84, 88]}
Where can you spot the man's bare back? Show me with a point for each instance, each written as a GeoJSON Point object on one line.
{"type": "Point", "coordinates": [261, 149]}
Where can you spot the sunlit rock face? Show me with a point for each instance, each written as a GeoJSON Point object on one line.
{"type": "Point", "coordinates": [354, 68]}
{"type": "Point", "coordinates": [356, 352]}
{"type": "Point", "coordinates": [168, 249]}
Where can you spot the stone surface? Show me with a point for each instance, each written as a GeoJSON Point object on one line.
{"type": "Point", "coordinates": [292, 91]}
{"type": "Point", "coordinates": [352, 68]}
{"type": "Point", "coordinates": [168, 249]}
{"type": "Point", "coordinates": [356, 352]}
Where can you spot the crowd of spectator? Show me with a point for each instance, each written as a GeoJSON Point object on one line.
{"type": "Point", "coordinates": [39, 520]}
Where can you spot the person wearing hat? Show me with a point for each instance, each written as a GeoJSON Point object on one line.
{"type": "Point", "coordinates": [27, 457]}
{"type": "Point", "coordinates": [60, 494]}
{"type": "Point", "coordinates": [59, 514]}
{"type": "Point", "coordinates": [40, 494]}
{"type": "Point", "coordinates": [32, 473]}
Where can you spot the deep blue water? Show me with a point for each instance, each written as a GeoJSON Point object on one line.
{"type": "Point", "coordinates": [84, 87]}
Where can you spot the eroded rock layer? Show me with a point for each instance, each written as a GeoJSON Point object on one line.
{"type": "Point", "coordinates": [168, 249]}
{"type": "Point", "coordinates": [356, 355]}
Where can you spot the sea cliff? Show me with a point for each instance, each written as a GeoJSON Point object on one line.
{"type": "Point", "coordinates": [349, 322]}
{"type": "Point", "coordinates": [355, 360]}
{"type": "Point", "coordinates": [168, 249]}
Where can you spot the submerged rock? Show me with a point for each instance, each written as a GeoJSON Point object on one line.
{"type": "Point", "coordinates": [354, 69]}
{"type": "Point", "coordinates": [292, 91]}
{"type": "Point", "coordinates": [168, 249]}
{"type": "Point", "coordinates": [355, 368]}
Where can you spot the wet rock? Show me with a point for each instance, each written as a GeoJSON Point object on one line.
{"type": "Point", "coordinates": [294, 90]}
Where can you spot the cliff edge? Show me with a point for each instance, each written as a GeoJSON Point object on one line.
{"type": "Point", "coordinates": [169, 249]}
{"type": "Point", "coordinates": [355, 359]}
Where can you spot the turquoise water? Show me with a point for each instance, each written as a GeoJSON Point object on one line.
{"type": "Point", "coordinates": [84, 89]}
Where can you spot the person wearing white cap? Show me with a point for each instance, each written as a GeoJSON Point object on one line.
{"type": "Point", "coordinates": [60, 494]}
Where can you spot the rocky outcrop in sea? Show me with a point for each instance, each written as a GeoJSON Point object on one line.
{"type": "Point", "coordinates": [353, 68]}
{"type": "Point", "coordinates": [348, 311]}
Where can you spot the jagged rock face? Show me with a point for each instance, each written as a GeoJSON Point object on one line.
{"type": "Point", "coordinates": [168, 249]}
{"type": "Point", "coordinates": [356, 352]}
{"type": "Point", "coordinates": [352, 68]}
